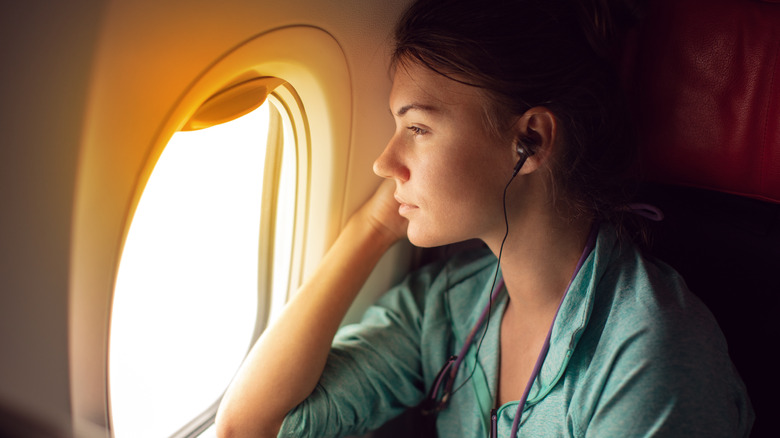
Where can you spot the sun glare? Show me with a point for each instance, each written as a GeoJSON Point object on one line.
{"type": "Point", "coordinates": [185, 302]}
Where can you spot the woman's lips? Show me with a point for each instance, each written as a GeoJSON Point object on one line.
{"type": "Point", "coordinates": [403, 206]}
{"type": "Point", "coordinates": [404, 209]}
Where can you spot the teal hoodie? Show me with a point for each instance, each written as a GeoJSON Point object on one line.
{"type": "Point", "coordinates": [633, 353]}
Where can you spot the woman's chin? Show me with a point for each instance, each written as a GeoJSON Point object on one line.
{"type": "Point", "coordinates": [423, 239]}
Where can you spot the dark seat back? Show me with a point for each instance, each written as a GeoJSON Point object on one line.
{"type": "Point", "coordinates": [704, 81]}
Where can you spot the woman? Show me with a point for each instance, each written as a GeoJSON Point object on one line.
{"type": "Point", "coordinates": [510, 128]}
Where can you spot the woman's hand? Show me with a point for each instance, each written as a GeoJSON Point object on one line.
{"type": "Point", "coordinates": [381, 211]}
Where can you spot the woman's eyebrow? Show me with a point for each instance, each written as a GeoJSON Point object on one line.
{"type": "Point", "coordinates": [416, 106]}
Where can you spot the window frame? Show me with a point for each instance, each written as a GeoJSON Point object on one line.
{"type": "Point", "coordinates": [111, 180]}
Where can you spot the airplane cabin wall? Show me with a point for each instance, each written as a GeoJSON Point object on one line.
{"type": "Point", "coordinates": [89, 88]}
{"type": "Point", "coordinates": [46, 50]}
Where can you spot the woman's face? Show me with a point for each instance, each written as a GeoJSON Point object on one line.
{"type": "Point", "coordinates": [450, 171]}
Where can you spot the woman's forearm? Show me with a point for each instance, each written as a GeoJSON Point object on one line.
{"type": "Point", "coordinates": [285, 364]}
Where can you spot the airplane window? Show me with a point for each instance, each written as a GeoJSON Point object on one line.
{"type": "Point", "coordinates": [186, 304]}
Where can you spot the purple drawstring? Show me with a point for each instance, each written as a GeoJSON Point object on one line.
{"type": "Point", "coordinates": [591, 243]}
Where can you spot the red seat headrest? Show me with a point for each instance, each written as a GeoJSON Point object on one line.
{"type": "Point", "coordinates": [706, 90]}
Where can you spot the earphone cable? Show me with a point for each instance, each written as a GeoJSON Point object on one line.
{"type": "Point", "coordinates": [490, 298]}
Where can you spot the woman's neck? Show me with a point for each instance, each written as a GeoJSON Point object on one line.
{"type": "Point", "coordinates": [538, 261]}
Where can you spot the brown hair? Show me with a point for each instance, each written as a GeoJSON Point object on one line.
{"type": "Point", "coordinates": [552, 53]}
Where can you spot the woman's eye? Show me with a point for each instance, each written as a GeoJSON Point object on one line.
{"type": "Point", "coordinates": [416, 130]}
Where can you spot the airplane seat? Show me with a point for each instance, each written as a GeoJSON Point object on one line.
{"type": "Point", "coordinates": [703, 78]}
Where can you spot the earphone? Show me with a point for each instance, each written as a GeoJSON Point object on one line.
{"type": "Point", "coordinates": [523, 152]}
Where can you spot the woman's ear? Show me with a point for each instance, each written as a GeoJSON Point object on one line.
{"type": "Point", "coordinates": [536, 134]}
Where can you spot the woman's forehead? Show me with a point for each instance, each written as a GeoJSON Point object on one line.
{"type": "Point", "coordinates": [416, 86]}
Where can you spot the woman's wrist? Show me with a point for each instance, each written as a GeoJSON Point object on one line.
{"type": "Point", "coordinates": [368, 231]}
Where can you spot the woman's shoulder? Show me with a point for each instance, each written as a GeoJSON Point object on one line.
{"type": "Point", "coordinates": [643, 301]}
{"type": "Point", "coordinates": [642, 282]}
{"type": "Point", "coordinates": [647, 331]}
{"type": "Point", "coordinates": [630, 296]}
{"type": "Point", "coordinates": [650, 289]}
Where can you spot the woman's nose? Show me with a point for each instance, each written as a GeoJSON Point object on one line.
{"type": "Point", "coordinates": [390, 164]}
